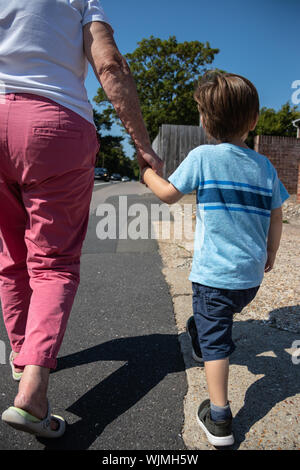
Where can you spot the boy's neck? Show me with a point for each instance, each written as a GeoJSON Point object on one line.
{"type": "Point", "coordinates": [239, 142]}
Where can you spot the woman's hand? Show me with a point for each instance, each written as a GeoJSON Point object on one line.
{"type": "Point", "coordinates": [149, 159]}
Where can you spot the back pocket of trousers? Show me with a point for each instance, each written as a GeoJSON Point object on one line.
{"type": "Point", "coordinates": [59, 133]}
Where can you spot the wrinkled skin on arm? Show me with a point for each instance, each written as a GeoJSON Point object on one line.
{"type": "Point", "coordinates": [112, 71]}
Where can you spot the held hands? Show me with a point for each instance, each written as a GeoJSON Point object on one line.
{"type": "Point", "coordinates": [149, 159]}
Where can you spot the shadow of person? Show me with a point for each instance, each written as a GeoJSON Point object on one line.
{"type": "Point", "coordinates": [148, 359]}
{"type": "Point", "coordinates": [263, 350]}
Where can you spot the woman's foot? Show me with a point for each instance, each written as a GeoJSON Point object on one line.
{"type": "Point", "coordinates": [38, 409]}
{"type": "Point", "coordinates": [32, 395]}
{"type": "Point", "coordinates": [17, 369]}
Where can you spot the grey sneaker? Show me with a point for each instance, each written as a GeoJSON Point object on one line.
{"type": "Point", "coordinates": [192, 332]}
{"type": "Point", "coordinates": [218, 433]}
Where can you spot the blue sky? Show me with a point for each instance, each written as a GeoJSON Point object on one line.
{"type": "Point", "coordinates": [258, 39]}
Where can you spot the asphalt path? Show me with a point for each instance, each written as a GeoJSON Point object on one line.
{"type": "Point", "coordinates": [120, 381]}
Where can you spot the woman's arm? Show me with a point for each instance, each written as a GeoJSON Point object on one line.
{"type": "Point", "coordinates": [112, 71]}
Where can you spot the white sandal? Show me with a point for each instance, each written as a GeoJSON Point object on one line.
{"type": "Point", "coordinates": [24, 421]}
{"type": "Point", "coordinates": [16, 375]}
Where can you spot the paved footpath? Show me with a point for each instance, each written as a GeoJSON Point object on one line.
{"type": "Point", "coordinates": [120, 381]}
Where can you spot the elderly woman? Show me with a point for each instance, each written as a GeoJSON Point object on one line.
{"type": "Point", "coordinates": [48, 146]}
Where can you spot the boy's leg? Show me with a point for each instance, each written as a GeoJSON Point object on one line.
{"type": "Point", "coordinates": [217, 381]}
{"type": "Point", "coordinates": [214, 321]}
{"type": "Point", "coordinates": [213, 317]}
{"type": "Point", "coordinates": [213, 311]}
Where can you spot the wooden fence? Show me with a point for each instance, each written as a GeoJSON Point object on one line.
{"type": "Point", "coordinates": [173, 143]}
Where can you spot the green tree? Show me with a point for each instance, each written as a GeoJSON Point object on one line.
{"type": "Point", "coordinates": [111, 154]}
{"type": "Point", "coordinates": [273, 122]}
{"type": "Point", "coordinates": [102, 121]}
{"type": "Point", "coordinates": [278, 123]}
{"type": "Point", "coordinates": [165, 72]}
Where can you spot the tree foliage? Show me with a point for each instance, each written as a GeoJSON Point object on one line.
{"type": "Point", "coordinates": [111, 154]}
{"type": "Point", "coordinates": [278, 123]}
{"type": "Point", "coordinates": [165, 73]}
{"type": "Point", "coordinates": [273, 122]}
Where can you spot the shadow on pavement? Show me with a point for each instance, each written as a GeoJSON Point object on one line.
{"type": "Point", "coordinates": [150, 358]}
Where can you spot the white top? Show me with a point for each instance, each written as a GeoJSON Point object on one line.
{"type": "Point", "coordinates": [41, 49]}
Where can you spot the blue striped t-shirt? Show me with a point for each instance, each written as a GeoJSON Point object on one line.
{"type": "Point", "coordinates": [236, 190]}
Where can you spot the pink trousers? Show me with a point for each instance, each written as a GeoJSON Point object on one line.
{"type": "Point", "coordinates": [47, 159]}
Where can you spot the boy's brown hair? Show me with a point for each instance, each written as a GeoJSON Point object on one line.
{"type": "Point", "coordinates": [228, 104]}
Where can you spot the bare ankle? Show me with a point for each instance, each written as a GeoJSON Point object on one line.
{"type": "Point", "coordinates": [35, 405]}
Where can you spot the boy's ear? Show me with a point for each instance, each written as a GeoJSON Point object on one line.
{"type": "Point", "coordinates": [201, 120]}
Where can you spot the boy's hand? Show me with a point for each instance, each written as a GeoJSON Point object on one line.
{"type": "Point", "coordinates": [142, 174]}
{"type": "Point", "coordinates": [274, 236]}
{"type": "Point", "coordinates": [149, 160]}
{"type": "Point", "coordinates": [142, 171]}
{"type": "Point", "coordinates": [164, 190]}
{"type": "Point", "coordinates": [270, 261]}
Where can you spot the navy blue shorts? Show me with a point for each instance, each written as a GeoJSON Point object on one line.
{"type": "Point", "coordinates": [213, 312]}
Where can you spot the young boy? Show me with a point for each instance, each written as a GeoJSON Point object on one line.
{"type": "Point", "coordinates": [238, 230]}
